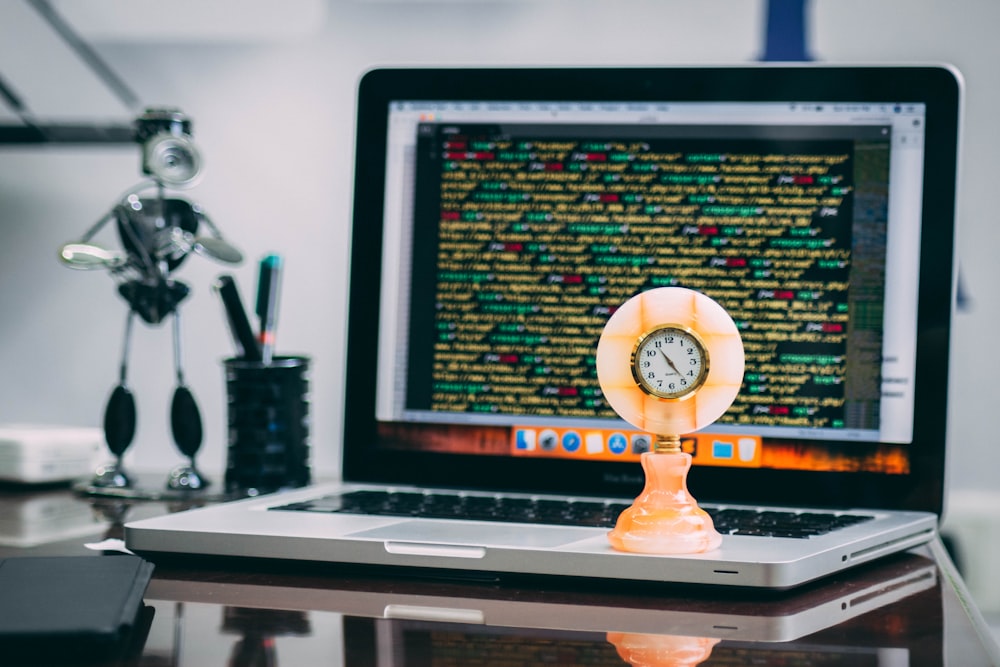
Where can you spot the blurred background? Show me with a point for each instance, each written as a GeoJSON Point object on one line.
{"type": "Point", "coordinates": [270, 87]}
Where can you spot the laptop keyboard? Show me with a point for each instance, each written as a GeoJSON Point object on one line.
{"type": "Point", "coordinates": [771, 523]}
{"type": "Point", "coordinates": [596, 514]}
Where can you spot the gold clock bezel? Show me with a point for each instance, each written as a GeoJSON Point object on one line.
{"type": "Point", "coordinates": [687, 392]}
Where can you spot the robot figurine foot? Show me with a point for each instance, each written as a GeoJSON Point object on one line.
{"type": "Point", "coordinates": [186, 478]}
{"type": "Point", "coordinates": [111, 476]}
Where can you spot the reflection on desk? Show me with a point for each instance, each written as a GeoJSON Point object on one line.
{"type": "Point", "coordinates": [722, 615]}
{"type": "Point", "coordinates": [45, 516]}
{"type": "Point", "coordinates": [911, 609]}
{"type": "Point", "coordinates": [889, 613]}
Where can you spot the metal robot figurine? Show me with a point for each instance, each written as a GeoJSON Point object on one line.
{"type": "Point", "coordinates": [157, 232]}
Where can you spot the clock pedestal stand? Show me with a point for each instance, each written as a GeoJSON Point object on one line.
{"type": "Point", "coordinates": [665, 518]}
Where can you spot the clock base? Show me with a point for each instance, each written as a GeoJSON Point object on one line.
{"type": "Point", "coordinates": [665, 518]}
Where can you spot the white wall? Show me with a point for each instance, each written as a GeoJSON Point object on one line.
{"type": "Point", "coordinates": [274, 116]}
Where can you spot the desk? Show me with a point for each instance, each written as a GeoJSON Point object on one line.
{"type": "Point", "coordinates": [907, 610]}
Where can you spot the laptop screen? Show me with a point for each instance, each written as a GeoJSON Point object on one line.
{"type": "Point", "coordinates": [513, 220]}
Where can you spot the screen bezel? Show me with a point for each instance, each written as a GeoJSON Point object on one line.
{"type": "Point", "coordinates": [939, 87]}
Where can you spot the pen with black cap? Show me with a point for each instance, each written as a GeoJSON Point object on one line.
{"type": "Point", "coordinates": [247, 346]}
{"type": "Point", "coordinates": [268, 287]}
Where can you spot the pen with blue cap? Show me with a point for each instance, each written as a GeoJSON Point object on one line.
{"type": "Point", "coordinates": [268, 287]}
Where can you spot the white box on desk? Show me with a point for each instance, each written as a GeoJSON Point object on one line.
{"type": "Point", "coordinates": [40, 453]}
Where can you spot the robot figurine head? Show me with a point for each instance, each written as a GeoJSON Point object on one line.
{"type": "Point", "coordinates": [157, 232]}
{"type": "Point", "coordinates": [169, 155]}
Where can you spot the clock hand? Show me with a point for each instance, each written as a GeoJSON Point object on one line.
{"type": "Point", "coordinates": [670, 363]}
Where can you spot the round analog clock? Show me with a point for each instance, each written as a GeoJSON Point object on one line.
{"type": "Point", "coordinates": [670, 361]}
{"type": "Point", "coordinates": [653, 361]}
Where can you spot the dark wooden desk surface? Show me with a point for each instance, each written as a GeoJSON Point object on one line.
{"type": "Point", "coordinates": [910, 610]}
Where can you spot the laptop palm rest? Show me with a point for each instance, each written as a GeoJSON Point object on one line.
{"type": "Point", "coordinates": [428, 533]}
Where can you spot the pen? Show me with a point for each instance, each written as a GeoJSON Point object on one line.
{"type": "Point", "coordinates": [239, 325]}
{"type": "Point", "coordinates": [268, 281]}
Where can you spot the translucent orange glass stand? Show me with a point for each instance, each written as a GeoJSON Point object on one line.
{"type": "Point", "coordinates": [665, 518]}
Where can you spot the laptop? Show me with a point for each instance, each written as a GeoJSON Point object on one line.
{"type": "Point", "coordinates": [501, 215]}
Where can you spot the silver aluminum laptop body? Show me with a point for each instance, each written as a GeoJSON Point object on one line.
{"type": "Point", "coordinates": [517, 207]}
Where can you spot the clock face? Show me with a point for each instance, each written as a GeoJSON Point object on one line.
{"type": "Point", "coordinates": [670, 361]}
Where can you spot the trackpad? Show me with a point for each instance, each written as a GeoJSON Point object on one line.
{"type": "Point", "coordinates": [447, 532]}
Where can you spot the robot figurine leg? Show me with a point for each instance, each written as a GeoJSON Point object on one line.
{"type": "Point", "coordinates": [119, 422]}
{"type": "Point", "coordinates": [185, 425]}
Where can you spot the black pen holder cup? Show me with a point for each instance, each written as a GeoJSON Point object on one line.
{"type": "Point", "coordinates": [268, 425]}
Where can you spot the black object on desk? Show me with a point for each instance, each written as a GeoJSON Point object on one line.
{"type": "Point", "coordinates": [84, 607]}
{"type": "Point", "coordinates": [268, 424]}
